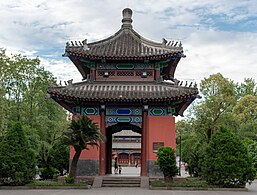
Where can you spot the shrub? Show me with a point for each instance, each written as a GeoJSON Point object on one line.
{"type": "Point", "coordinates": [60, 155]}
{"type": "Point", "coordinates": [196, 159]}
{"type": "Point", "coordinates": [252, 149]}
{"type": "Point", "coordinates": [167, 162]}
{"type": "Point", "coordinates": [69, 179]}
{"type": "Point", "coordinates": [227, 162]}
{"type": "Point", "coordinates": [49, 172]}
{"type": "Point", "coordinates": [17, 160]}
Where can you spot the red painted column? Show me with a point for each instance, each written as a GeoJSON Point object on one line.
{"type": "Point", "coordinates": [144, 141]}
{"type": "Point", "coordinates": [157, 74]}
{"type": "Point", "coordinates": [102, 158]}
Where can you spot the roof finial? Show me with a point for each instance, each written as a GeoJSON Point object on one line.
{"type": "Point", "coordinates": [126, 20]}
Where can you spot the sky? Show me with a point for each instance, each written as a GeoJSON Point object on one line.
{"type": "Point", "coordinates": [217, 35]}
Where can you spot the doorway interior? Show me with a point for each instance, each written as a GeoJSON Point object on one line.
{"type": "Point", "coordinates": [123, 144]}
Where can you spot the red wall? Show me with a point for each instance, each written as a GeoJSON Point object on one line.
{"type": "Point", "coordinates": [93, 152]}
{"type": "Point", "coordinates": [160, 129]}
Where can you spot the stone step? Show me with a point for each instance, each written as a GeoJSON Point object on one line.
{"type": "Point", "coordinates": [120, 185]}
{"type": "Point", "coordinates": [121, 182]}
{"type": "Point", "coordinates": [120, 179]}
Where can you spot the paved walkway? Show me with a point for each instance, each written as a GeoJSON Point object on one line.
{"type": "Point", "coordinates": [127, 191]}
{"type": "Point", "coordinates": [128, 172]}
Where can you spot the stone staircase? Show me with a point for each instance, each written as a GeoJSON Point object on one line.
{"type": "Point", "coordinates": [121, 182]}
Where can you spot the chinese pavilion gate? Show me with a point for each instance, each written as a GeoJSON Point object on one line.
{"type": "Point", "coordinates": [123, 87]}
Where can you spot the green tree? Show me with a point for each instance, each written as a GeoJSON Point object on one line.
{"type": "Point", "coordinates": [196, 158]}
{"type": "Point", "coordinates": [248, 87]}
{"type": "Point", "coordinates": [188, 139]}
{"type": "Point", "coordinates": [218, 99]}
{"type": "Point", "coordinates": [246, 109]}
{"type": "Point", "coordinates": [245, 112]}
{"type": "Point", "coordinates": [4, 108]}
{"type": "Point", "coordinates": [15, 76]}
{"type": "Point", "coordinates": [3, 111]}
{"type": "Point", "coordinates": [17, 160]}
{"type": "Point", "coordinates": [23, 92]}
{"type": "Point", "coordinates": [227, 162]}
{"type": "Point", "coordinates": [167, 162]}
{"type": "Point", "coordinates": [59, 155]}
{"type": "Point", "coordinates": [82, 132]}
{"type": "Point", "coordinates": [252, 149]}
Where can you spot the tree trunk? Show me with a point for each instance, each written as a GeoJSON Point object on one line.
{"type": "Point", "coordinates": [74, 163]}
{"type": "Point", "coordinates": [209, 134]}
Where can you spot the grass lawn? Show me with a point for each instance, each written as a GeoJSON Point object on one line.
{"type": "Point", "coordinates": [53, 183]}
{"type": "Point", "coordinates": [191, 182]}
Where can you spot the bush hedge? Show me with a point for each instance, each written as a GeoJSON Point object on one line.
{"type": "Point", "coordinates": [167, 162]}
{"type": "Point", "coordinates": [17, 160]}
{"type": "Point", "coordinates": [227, 162]}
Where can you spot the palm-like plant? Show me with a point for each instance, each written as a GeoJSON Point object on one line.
{"type": "Point", "coordinates": [82, 132]}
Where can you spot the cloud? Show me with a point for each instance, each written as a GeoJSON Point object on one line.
{"type": "Point", "coordinates": [62, 69]}
{"type": "Point", "coordinates": [218, 36]}
{"type": "Point", "coordinates": [209, 52]}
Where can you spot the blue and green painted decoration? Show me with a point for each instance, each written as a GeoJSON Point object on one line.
{"type": "Point", "coordinates": [161, 111]}
{"type": "Point", "coordinates": [133, 111]}
{"type": "Point", "coordinates": [86, 110]}
{"type": "Point", "coordinates": [123, 119]}
{"type": "Point", "coordinates": [116, 114]}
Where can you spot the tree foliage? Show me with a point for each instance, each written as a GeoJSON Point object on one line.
{"type": "Point", "coordinates": [245, 112]}
{"type": "Point", "coordinates": [219, 97]}
{"type": "Point", "coordinates": [167, 162]}
{"type": "Point", "coordinates": [185, 130]}
{"type": "Point", "coordinates": [227, 162]}
{"type": "Point", "coordinates": [60, 156]}
{"type": "Point", "coordinates": [223, 104]}
{"type": "Point", "coordinates": [17, 160]}
{"type": "Point", "coordinates": [23, 92]}
{"type": "Point", "coordinates": [196, 158]}
{"type": "Point", "coordinates": [248, 87]}
{"type": "Point", "coordinates": [252, 149]}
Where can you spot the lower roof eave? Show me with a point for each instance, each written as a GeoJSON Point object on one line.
{"type": "Point", "coordinates": [167, 100]}
{"type": "Point", "coordinates": [182, 103]}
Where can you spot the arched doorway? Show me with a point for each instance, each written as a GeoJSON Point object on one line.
{"type": "Point", "coordinates": [126, 147]}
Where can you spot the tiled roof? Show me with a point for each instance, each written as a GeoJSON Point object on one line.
{"type": "Point", "coordinates": [123, 91]}
{"type": "Point", "coordinates": [125, 43]}
{"type": "Point", "coordinates": [126, 133]}
{"type": "Point", "coordinates": [130, 145]}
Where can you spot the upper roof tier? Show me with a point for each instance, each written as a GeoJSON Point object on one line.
{"type": "Point", "coordinates": [126, 43]}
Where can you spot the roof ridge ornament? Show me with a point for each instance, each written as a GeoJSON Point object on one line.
{"type": "Point", "coordinates": [126, 20]}
{"type": "Point", "coordinates": [164, 42]}
{"type": "Point", "coordinates": [84, 45]}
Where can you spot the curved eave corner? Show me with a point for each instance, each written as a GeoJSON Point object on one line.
{"type": "Point", "coordinates": [185, 105]}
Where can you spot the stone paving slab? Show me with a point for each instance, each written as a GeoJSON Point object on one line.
{"type": "Point", "coordinates": [120, 191]}
{"type": "Point", "coordinates": [252, 190]}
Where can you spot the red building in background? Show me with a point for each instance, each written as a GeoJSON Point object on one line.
{"type": "Point", "coordinates": [126, 146]}
{"type": "Point", "coordinates": [128, 84]}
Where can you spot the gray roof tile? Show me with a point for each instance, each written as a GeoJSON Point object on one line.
{"type": "Point", "coordinates": [122, 90]}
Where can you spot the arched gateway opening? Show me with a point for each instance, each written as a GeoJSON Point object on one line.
{"type": "Point", "coordinates": [124, 143]}
{"type": "Point", "coordinates": [128, 82]}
